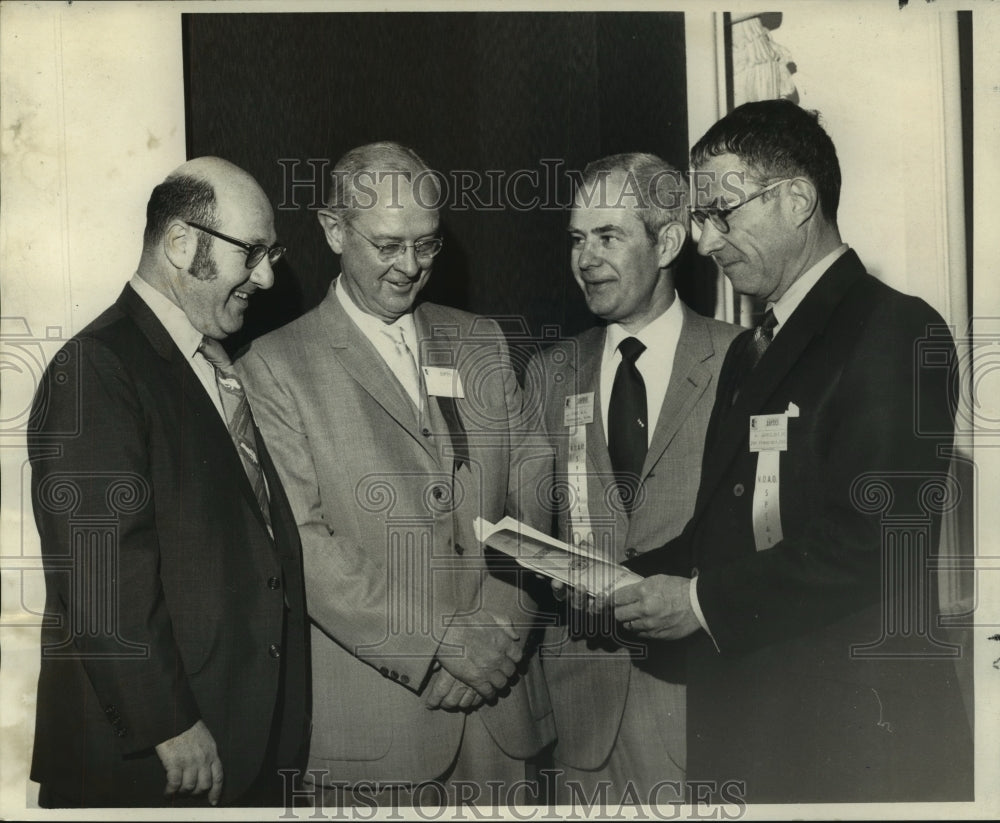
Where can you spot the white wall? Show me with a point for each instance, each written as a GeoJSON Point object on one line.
{"type": "Point", "coordinates": [92, 118]}
{"type": "Point", "coordinates": [881, 82]}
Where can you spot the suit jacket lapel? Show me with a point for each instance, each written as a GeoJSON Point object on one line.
{"type": "Point", "coordinates": [689, 379]}
{"type": "Point", "coordinates": [807, 322]}
{"type": "Point", "coordinates": [367, 368]}
{"type": "Point", "coordinates": [217, 437]}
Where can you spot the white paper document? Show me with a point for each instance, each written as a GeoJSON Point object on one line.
{"type": "Point", "coordinates": [540, 553]}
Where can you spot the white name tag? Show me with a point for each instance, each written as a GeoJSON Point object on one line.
{"type": "Point", "coordinates": [768, 432]}
{"type": "Point", "coordinates": [578, 409]}
{"type": "Point", "coordinates": [443, 382]}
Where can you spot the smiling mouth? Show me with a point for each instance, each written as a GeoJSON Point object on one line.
{"type": "Point", "coordinates": [242, 296]}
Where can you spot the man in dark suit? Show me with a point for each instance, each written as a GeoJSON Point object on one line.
{"type": "Point", "coordinates": [174, 655]}
{"type": "Point", "coordinates": [814, 671]}
{"type": "Point", "coordinates": [620, 727]}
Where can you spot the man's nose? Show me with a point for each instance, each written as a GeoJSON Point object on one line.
{"type": "Point", "coordinates": [407, 262]}
{"type": "Point", "coordinates": [588, 258]}
{"type": "Point", "coordinates": [710, 240]}
{"type": "Point", "coordinates": [262, 274]}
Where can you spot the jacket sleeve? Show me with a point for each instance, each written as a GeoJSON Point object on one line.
{"type": "Point", "coordinates": [90, 470]}
{"type": "Point", "coordinates": [347, 595]}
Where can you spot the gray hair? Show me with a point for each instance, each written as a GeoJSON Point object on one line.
{"type": "Point", "coordinates": [363, 167]}
{"type": "Point", "coordinates": [658, 191]}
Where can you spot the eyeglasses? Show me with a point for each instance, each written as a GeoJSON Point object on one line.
{"type": "Point", "coordinates": [719, 215]}
{"type": "Point", "coordinates": [255, 251]}
{"type": "Point", "coordinates": [387, 252]}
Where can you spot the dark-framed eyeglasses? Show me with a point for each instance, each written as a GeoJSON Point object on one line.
{"type": "Point", "coordinates": [719, 215]}
{"type": "Point", "coordinates": [255, 251]}
{"type": "Point", "coordinates": [387, 252]}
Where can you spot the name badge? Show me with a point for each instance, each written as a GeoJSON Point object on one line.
{"type": "Point", "coordinates": [578, 409]}
{"type": "Point", "coordinates": [768, 432]}
{"type": "Point", "coordinates": [443, 382]}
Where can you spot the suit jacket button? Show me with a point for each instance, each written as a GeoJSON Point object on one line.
{"type": "Point", "coordinates": [738, 490]}
{"type": "Point", "coordinates": [274, 650]}
{"type": "Point", "coordinates": [404, 679]}
{"type": "Point", "coordinates": [111, 710]}
{"type": "Point", "coordinates": [425, 432]}
{"type": "Point", "coordinates": [274, 582]}
{"type": "Point", "coordinates": [383, 670]}
{"type": "Point", "coordinates": [394, 675]}
{"type": "Point", "coordinates": [438, 492]}
{"type": "Point", "coordinates": [630, 553]}
{"type": "Point", "coordinates": [121, 731]}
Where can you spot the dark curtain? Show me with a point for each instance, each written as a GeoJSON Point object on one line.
{"type": "Point", "coordinates": [479, 96]}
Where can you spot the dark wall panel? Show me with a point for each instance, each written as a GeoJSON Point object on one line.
{"type": "Point", "coordinates": [480, 93]}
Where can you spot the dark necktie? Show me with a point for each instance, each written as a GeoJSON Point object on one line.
{"type": "Point", "coordinates": [761, 339]}
{"type": "Point", "coordinates": [239, 418]}
{"type": "Point", "coordinates": [627, 434]}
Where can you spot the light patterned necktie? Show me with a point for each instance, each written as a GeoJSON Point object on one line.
{"type": "Point", "coordinates": [407, 372]}
{"type": "Point", "coordinates": [240, 419]}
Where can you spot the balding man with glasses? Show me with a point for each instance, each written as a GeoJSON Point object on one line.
{"type": "Point", "coordinates": [174, 659]}
{"type": "Point", "coordinates": [396, 423]}
{"type": "Point", "coordinates": [815, 668]}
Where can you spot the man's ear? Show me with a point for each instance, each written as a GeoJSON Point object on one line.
{"type": "Point", "coordinates": [669, 242]}
{"type": "Point", "coordinates": [180, 242]}
{"type": "Point", "coordinates": [803, 200]}
{"type": "Point", "coordinates": [332, 222]}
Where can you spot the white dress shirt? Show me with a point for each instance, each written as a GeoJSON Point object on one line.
{"type": "Point", "coordinates": [789, 301]}
{"type": "Point", "coordinates": [381, 335]}
{"type": "Point", "coordinates": [655, 364]}
{"type": "Point", "coordinates": [186, 337]}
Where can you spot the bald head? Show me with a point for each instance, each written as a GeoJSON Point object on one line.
{"type": "Point", "coordinates": [209, 243]}
{"type": "Point", "coordinates": [196, 191]}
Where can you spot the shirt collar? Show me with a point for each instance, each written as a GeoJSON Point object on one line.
{"type": "Point", "coordinates": [186, 337]}
{"type": "Point", "coordinates": [657, 335]}
{"type": "Point", "coordinates": [801, 286]}
{"type": "Point", "coordinates": [371, 326]}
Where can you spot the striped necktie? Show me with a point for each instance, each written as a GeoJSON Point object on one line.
{"type": "Point", "coordinates": [759, 342]}
{"type": "Point", "coordinates": [239, 418]}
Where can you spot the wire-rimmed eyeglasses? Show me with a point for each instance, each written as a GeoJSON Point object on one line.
{"type": "Point", "coordinates": [387, 252]}
{"type": "Point", "coordinates": [719, 214]}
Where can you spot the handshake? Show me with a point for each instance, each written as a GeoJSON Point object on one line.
{"type": "Point", "coordinates": [477, 660]}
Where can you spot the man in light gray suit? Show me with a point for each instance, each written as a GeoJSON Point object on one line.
{"type": "Point", "coordinates": [626, 405]}
{"type": "Point", "coordinates": [395, 424]}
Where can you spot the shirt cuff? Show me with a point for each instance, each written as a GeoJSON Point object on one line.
{"type": "Point", "coordinates": [696, 608]}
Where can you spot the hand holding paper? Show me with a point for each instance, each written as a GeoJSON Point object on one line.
{"type": "Point", "coordinates": [575, 566]}
{"type": "Point", "coordinates": [657, 608]}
